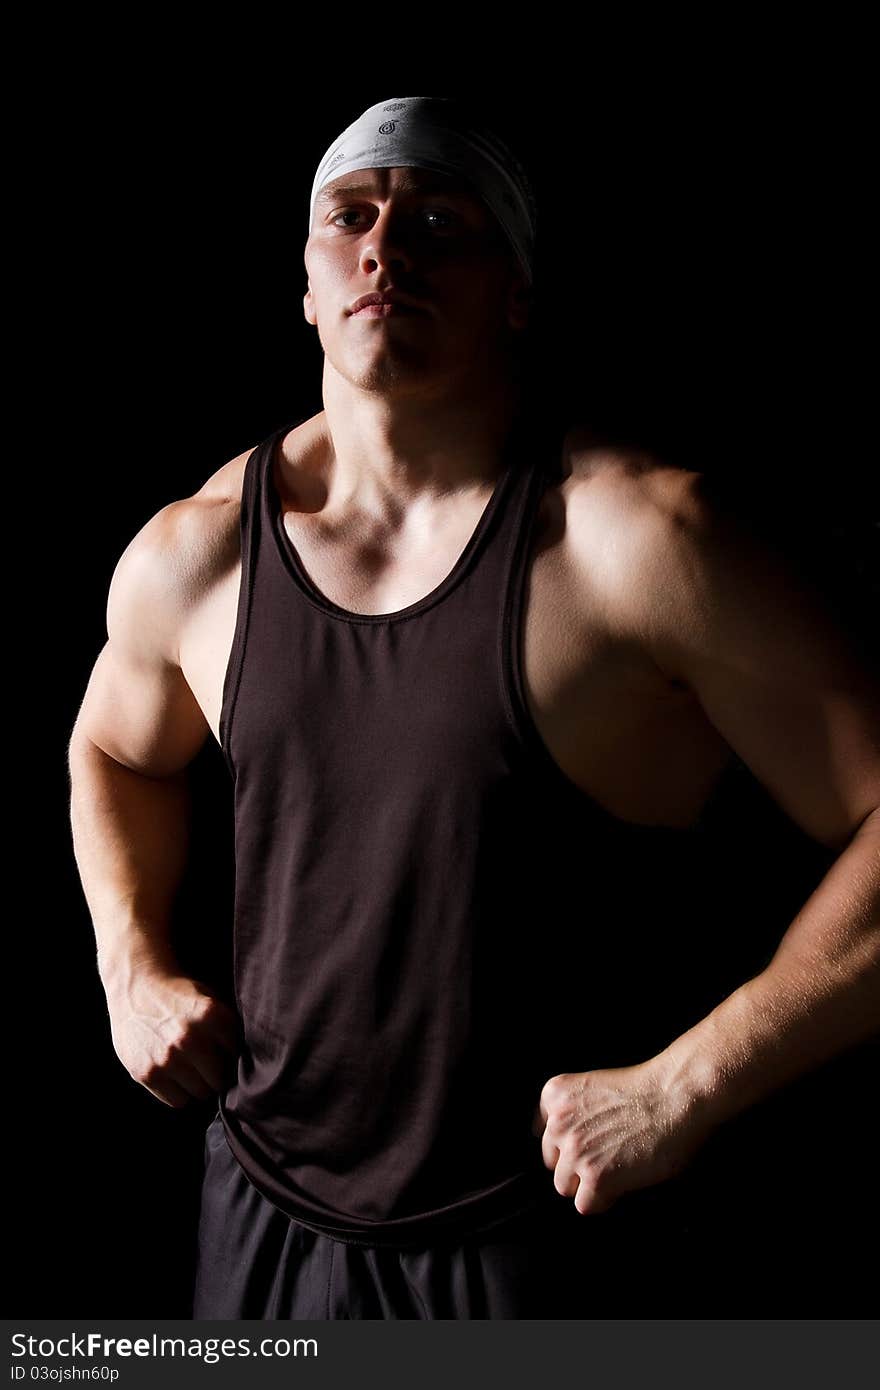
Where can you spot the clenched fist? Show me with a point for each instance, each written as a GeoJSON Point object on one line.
{"type": "Point", "coordinates": [610, 1131]}
{"type": "Point", "coordinates": [173, 1035]}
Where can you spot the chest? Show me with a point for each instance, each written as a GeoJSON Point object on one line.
{"type": "Point", "coordinates": [637, 745]}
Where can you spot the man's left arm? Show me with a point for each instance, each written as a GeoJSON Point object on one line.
{"type": "Point", "coordinates": [775, 674]}
{"type": "Point", "coordinates": [782, 683]}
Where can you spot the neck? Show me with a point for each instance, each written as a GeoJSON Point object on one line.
{"type": "Point", "coordinates": [385, 451]}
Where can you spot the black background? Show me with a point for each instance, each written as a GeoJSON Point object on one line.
{"type": "Point", "coordinates": [702, 258]}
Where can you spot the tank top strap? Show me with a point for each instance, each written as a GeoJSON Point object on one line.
{"type": "Point", "coordinates": [250, 525]}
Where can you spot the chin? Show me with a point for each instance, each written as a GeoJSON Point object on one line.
{"type": "Point", "coordinates": [372, 371]}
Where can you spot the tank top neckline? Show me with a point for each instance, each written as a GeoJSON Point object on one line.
{"type": "Point", "coordinates": [513, 466]}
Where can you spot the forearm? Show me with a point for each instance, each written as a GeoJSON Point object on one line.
{"type": "Point", "coordinates": [130, 839]}
{"type": "Point", "coordinates": [819, 995]}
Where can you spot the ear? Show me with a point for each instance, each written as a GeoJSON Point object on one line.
{"type": "Point", "coordinates": [519, 302]}
{"type": "Point", "coordinates": [309, 307]}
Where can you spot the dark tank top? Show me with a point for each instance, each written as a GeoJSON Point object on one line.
{"type": "Point", "coordinates": [426, 907]}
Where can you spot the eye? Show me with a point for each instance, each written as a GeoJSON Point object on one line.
{"type": "Point", "coordinates": [445, 216]}
{"type": "Point", "coordinates": [345, 213]}
{"type": "Point", "coordinates": [440, 212]}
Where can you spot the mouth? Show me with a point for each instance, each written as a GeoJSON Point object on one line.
{"type": "Point", "coordinates": [386, 303]}
{"type": "Point", "coordinates": [384, 311]}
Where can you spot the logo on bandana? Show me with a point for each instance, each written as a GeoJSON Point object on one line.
{"type": "Point", "coordinates": [387, 127]}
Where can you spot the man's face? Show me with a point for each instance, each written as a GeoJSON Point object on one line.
{"type": "Point", "coordinates": [430, 237]}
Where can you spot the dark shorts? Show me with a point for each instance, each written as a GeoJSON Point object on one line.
{"type": "Point", "coordinates": [253, 1261]}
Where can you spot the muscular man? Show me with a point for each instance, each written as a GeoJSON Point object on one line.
{"type": "Point", "coordinates": [461, 683]}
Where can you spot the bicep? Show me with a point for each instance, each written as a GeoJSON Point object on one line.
{"type": "Point", "coordinates": [138, 707]}
{"type": "Point", "coordinates": [142, 713]}
{"type": "Point", "coordinates": [771, 666]}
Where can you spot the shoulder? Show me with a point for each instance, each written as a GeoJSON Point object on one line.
{"type": "Point", "coordinates": [678, 564]}
{"type": "Point", "coordinates": [189, 547]}
{"type": "Point", "coordinates": [694, 579]}
{"type": "Point", "coordinates": [636, 481]}
{"type": "Point", "coordinates": [187, 539]}
{"type": "Point", "coordinates": [176, 560]}
{"type": "Point", "coordinates": [631, 517]}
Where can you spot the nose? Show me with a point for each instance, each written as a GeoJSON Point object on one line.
{"type": "Point", "coordinates": [385, 246]}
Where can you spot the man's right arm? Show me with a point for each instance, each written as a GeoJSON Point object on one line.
{"type": "Point", "coordinates": [138, 728]}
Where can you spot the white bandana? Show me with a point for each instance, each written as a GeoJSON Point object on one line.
{"type": "Point", "coordinates": [438, 133]}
